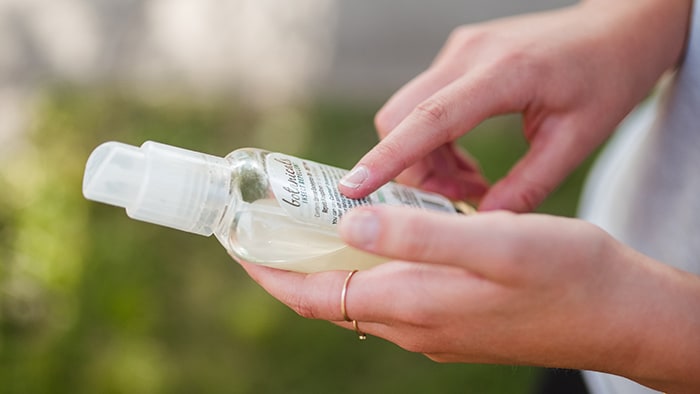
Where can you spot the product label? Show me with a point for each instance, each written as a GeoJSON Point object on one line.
{"type": "Point", "coordinates": [308, 191]}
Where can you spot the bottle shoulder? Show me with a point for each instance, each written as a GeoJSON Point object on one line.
{"type": "Point", "coordinates": [249, 177]}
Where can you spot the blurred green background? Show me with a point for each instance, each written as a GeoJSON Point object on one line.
{"type": "Point", "coordinates": [93, 302]}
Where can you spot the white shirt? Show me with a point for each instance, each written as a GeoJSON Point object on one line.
{"type": "Point", "coordinates": [645, 188]}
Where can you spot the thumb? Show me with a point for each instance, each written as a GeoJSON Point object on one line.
{"type": "Point", "coordinates": [481, 243]}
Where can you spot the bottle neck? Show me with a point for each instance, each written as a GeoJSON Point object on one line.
{"type": "Point", "coordinates": [216, 198]}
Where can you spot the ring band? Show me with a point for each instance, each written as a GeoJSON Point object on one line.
{"type": "Point", "coordinates": [343, 296]}
{"type": "Point", "coordinates": [344, 310]}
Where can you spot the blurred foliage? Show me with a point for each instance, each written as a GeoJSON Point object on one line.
{"type": "Point", "coordinates": [93, 302]}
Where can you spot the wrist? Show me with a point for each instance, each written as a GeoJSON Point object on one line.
{"type": "Point", "coordinates": [658, 28]}
{"type": "Point", "coordinates": [655, 337]}
{"type": "Point", "coordinates": [671, 359]}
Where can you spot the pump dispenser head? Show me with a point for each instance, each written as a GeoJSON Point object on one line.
{"type": "Point", "coordinates": [160, 184]}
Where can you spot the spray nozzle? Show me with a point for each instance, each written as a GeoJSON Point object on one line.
{"type": "Point", "coordinates": [160, 184]}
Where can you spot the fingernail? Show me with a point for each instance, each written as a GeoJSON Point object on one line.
{"type": "Point", "coordinates": [354, 178]}
{"type": "Point", "coordinates": [361, 228]}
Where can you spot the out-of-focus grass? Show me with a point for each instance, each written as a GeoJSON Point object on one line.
{"type": "Point", "coordinates": [91, 301]}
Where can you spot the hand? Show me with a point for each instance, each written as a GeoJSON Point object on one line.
{"type": "Point", "coordinates": [510, 289]}
{"type": "Point", "coordinates": [573, 74]}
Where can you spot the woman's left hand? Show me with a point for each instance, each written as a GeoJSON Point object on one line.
{"type": "Point", "coordinates": [503, 288]}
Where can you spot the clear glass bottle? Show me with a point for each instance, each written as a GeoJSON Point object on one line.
{"type": "Point", "coordinates": [265, 208]}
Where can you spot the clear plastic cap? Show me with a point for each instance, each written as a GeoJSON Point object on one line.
{"type": "Point", "coordinates": [160, 184]}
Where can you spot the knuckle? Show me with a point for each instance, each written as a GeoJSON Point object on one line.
{"type": "Point", "coordinates": [415, 346]}
{"type": "Point", "coordinates": [417, 317]}
{"type": "Point", "coordinates": [459, 34]}
{"type": "Point", "coordinates": [514, 57]}
{"type": "Point", "coordinates": [416, 240]}
{"type": "Point", "coordinates": [512, 245]}
{"type": "Point", "coordinates": [382, 123]}
{"type": "Point", "coordinates": [302, 305]}
{"type": "Point", "coordinates": [392, 150]}
{"type": "Point", "coordinates": [439, 357]}
{"type": "Point", "coordinates": [467, 36]}
{"type": "Point", "coordinates": [522, 63]}
{"type": "Point", "coordinates": [433, 111]}
{"type": "Point", "coordinates": [600, 244]}
{"type": "Point", "coordinates": [503, 51]}
{"type": "Point", "coordinates": [510, 256]}
{"type": "Point", "coordinates": [303, 308]}
{"type": "Point", "coordinates": [532, 195]}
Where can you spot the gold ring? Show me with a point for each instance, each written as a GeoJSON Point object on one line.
{"type": "Point", "coordinates": [344, 310]}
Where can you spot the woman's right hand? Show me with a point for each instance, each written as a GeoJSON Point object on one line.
{"type": "Point", "coordinates": [573, 74]}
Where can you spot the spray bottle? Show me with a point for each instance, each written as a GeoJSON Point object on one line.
{"type": "Point", "coordinates": [265, 208]}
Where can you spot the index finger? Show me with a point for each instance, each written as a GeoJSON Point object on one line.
{"type": "Point", "coordinates": [441, 118]}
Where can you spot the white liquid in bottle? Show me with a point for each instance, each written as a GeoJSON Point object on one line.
{"type": "Point", "coordinates": [264, 208]}
{"type": "Point", "coordinates": [265, 232]}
